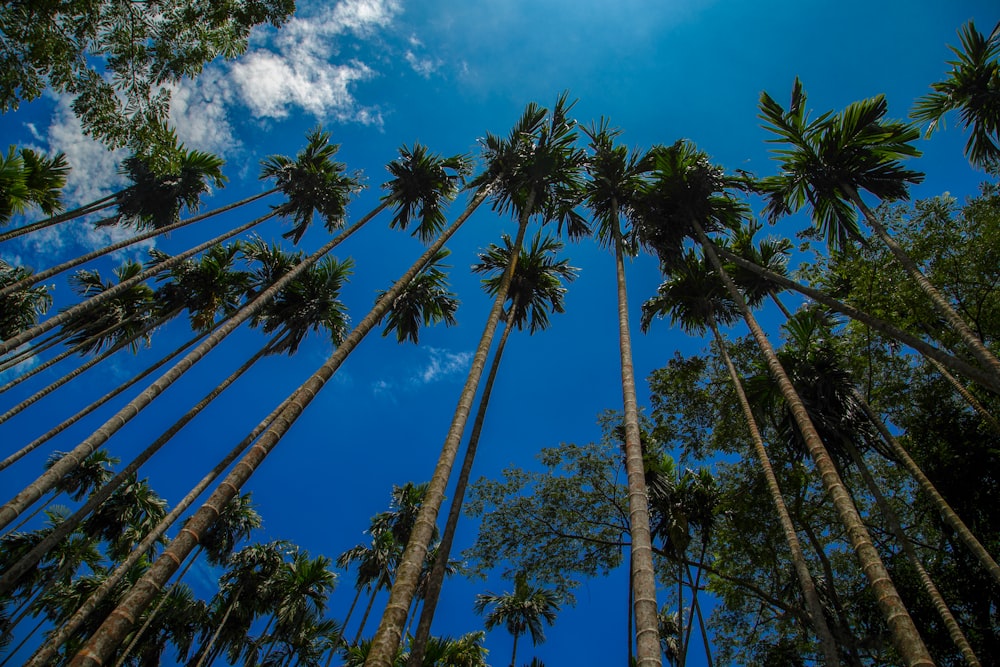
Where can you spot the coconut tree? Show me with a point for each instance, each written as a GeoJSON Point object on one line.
{"type": "Point", "coordinates": [973, 88]}
{"type": "Point", "coordinates": [690, 197]}
{"type": "Point", "coordinates": [831, 159]}
{"type": "Point", "coordinates": [112, 632]}
{"type": "Point", "coordinates": [533, 173]}
{"type": "Point", "coordinates": [524, 610]}
{"type": "Point", "coordinates": [694, 297]}
{"type": "Point", "coordinates": [536, 288]}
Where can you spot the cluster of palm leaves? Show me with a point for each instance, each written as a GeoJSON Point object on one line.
{"type": "Point", "coordinates": [670, 201]}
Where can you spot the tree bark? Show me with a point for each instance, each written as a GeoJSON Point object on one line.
{"type": "Point", "coordinates": [905, 636]}
{"type": "Point", "coordinates": [436, 578]}
{"type": "Point", "coordinates": [828, 646]}
{"type": "Point", "coordinates": [111, 633]}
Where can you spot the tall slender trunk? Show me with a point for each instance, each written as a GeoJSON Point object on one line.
{"type": "Point", "coordinates": [47, 651]}
{"type": "Point", "coordinates": [350, 612]}
{"type": "Point", "coordinates": [78, 371]}
{"type": "Point", "coordinates": [696, 609]}
{"type": "Point", "coordinates": [62, 426]}
{"type": "Point", "coordinates": [905, 636]}
{"type": "Point", "coordinates": [947, 513]}
{"type": "Point", "coordinates": [36, 278]}
{"type": "Point", "coordinates": [971, 340]}
{"type": "Point", "coordinates": [681, 643]}
{"type": "Point", "coordinates": [24, 641]}
{"type": "Point", "coordinates": [31, 350]}
{"type": "Point", "coordinates": [151, 616]}
{"type": "Point", "coordinates": [892, 519]}
{"type": "Point", "coordinates": [643, 574]}
{"type": "Point", "coordinates": [364, 617]}
{"type": "Point", "coordinates": [111, 633]}
{"type": "Point", "coordinates": [387, 637]}
{"type": "Point", "coordinates": [967, 396]}
{"type": "Point", "coordinates": [984, 379]}
{"type": "Point", "coordinates": [96, 300]}
{"type": "Point", "coordinates": [218, 629]}
{"type": "Point", "coordinates": [49, 363]}
{"type": "Point", "coordinates": [30, 494]}
{"type": "Point", "coordinates": [79, 212]}
{"type": "Point", "coordinates": [817, 618]}
{"type": "Point", "coordinates": [513, 653]}
{"type": "Point", "coordinates": [436, 577]}
{"type": "Point", "coordinates": [26, 562]}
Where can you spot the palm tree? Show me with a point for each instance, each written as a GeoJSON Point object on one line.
{"type": "Point", "coordinates": [833, 158]}
{"type": "Point", "coordinates": [616, 176]}
{"type": "Point", "coordinates": [534, 172]}
{"type": "Point", "coordinates": [111, 633]}
{"type": "Point", "coordinates": [19, 310]}
{"type": "Point", "coordinates": [313, 181]}
{"type": "Point", "coordinates": [376, 564]}
{"type": "Point", "coordinates": [30, 179]}
{"type": "Point", "coordinates": [694, 297]}
{"type": "Point", "coordinates": [688, 196]}
{"type": "Point", "coordinates": [235, 524]}
{"type": "Point", "coordinates": [536, 288]}
{"type": "Point", "coordinates": [425, 299]}
{"type": "Point", "coordinates": [206, 287]}
{"type": "Point", "coordinates": [522, 611]}
{"type": "Point", "coordinates": [972, 87]}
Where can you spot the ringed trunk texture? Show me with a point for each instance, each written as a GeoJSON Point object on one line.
{"type": "Point", "coordinates": [115, 628]}
{"type": "Point", "coordinates": [961, 327]}
{"type": "Point", "coordinates": [817, 618]}
{"type": "Point", "coordinates": [47, 652]}
{"type": "Point", "coordinates": [30, 559]}
{"type": "Point", "coordinates": [436, 579]}
{"type": "Point", "coordinates": [947, 513]}
{"type": "Point", "coordinates": [390, 629]}
{"type": "Point", "coordinates": [62, 426]}
{"type": "Point", "coordinates": [93, 302]}
{"type": "Point", "coordinates": [70, 460]}
{"type": "Point", "coordinates": [905, 636]}
{"type": "Point", "coordinates": [36, 278]}
{"type": "Point", "coordinates": [643, 575]}
{"type": "Point", "coordinates": [892, 519]}
{"type": "Point", "coordinates": [984, 379]}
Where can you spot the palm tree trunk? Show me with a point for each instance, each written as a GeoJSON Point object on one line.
{"type": "Point", "coordinates": [892, 519]}
{"type": "Point", "coordinates": [56, 430]}
{"type": "Point", "coordinates": [86, 209]}
{"type": "Point", "coordinates": [218, 628]}
{"type": "Point", "coordinates": [984, 379]}
{"type": "Point", "coordinates": [784, 311]}
{"type": "Point", "coordinates": [947, 513]}
{"type": "Point", "coordinates": [643, 574]}
{"type": "Point", "coordinates": [38, 511]}
{"type": "Point", "coordinates": [29, 560]}
{"type": "Point", "coordinates": [967, 396]}
{"type": "Point", "coordinates": [30, 351]}
{"type": "Point", "coordinates": [156, 610]}
{"type": "Point", "coordinates": [350, 612]}
{"type": "Point", "coordinates": [905, 636]}
{"type": "Point", "coordinates": [681, 643]}
{"type": "Point", "coordinates": [364, 617]}
{"type": "Point", "coordinates": [47, 651]}
{"type": "Point", "coordinates": [817, 618]}
{"type": "Point", "coordinates": [93, 302]}
{"type": "Point", "coordinates": [36, 278]}
{"type": "Point", "coordinates": [696, 609]}
{"type": "Point", "coordinates": [65, 353]}
{"type": "Point", "coordinates": [972, 341]}
{"type": "Point", "coordinates": [79, 370]}
{"type": "Point", "coordinates": [116, 626]}
{"type": "Point", "coordinates": [389, 633]}
{"type": "Point", "coordinates": [513, 653]}
{"type": "Point", "coordinates": [30, 494]}
{"type": "Point", "coordinates": [436, 578]}
{"type": "Point", "coordinates": [24, 641]}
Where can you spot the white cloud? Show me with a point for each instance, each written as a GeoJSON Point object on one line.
{"type": "Point", "coordinates": [361, 16]}
{"type": "Point", "coordinates": [94, 169]}
{"type": "Point", "coordinates": [198, 111]}
{"type": "Point", "coordinates": [442, 364]}
{"type": "Point", "coordinates": [422, 66]}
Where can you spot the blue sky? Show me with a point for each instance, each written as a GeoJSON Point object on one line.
{"type": "Point", "coordinates": [382, 73]}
